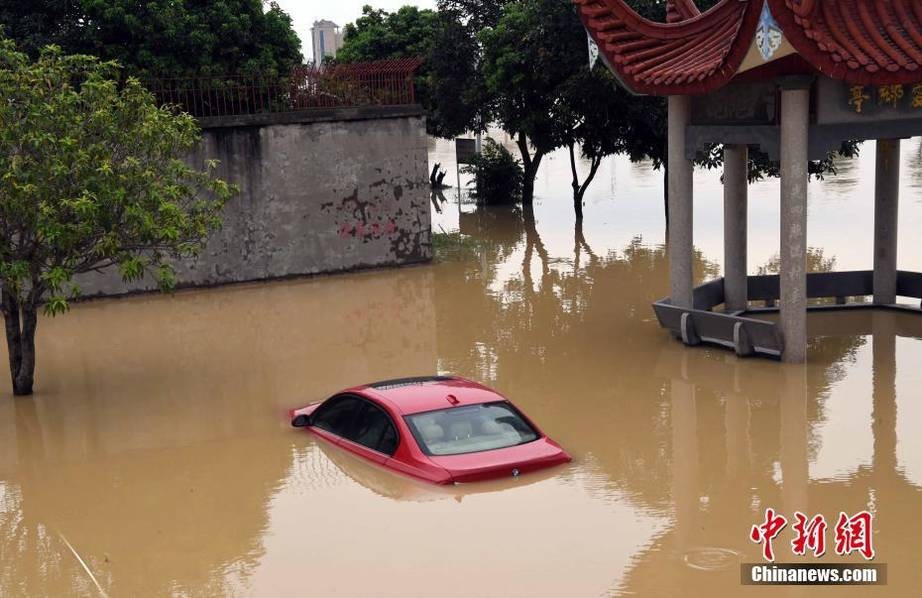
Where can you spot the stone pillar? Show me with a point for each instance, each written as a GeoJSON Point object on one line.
{"type": "Point", "coordinates": [680, 204]}
{"type": "Point", "coordinates": [886, 202]}
{"type": "Point", "coordinates": [736, 183]}
{"type": "Point", "coordinates": [795, 106]}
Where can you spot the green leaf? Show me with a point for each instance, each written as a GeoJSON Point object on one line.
{"type": "Point", "coordinates": [56, 304]}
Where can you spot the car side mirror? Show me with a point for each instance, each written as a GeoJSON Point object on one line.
{"type": "Point", "coordinates": [301, 421]}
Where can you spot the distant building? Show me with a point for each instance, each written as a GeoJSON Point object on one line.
{"type": "Point", "coordinates": [326, 39]}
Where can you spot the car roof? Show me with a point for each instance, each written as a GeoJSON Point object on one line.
{"type": "Point", "coordinates": [426, 393]}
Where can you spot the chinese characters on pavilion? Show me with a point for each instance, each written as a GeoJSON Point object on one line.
{"type": "Point", "coordinates": [885, 96]}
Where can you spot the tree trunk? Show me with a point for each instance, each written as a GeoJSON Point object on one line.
{"type": "Point", "coordinates": [574, 183]}
{"type": "Point", "coordinates": [579, 189]}
{"type": "Point", "coordinates": [528, 187]}
{"type": "Point", "coordinates": [21, 321]}
{"type": "Point", "coordinates": [530, 166]}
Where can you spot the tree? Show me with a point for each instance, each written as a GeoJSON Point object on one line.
{"type": "Point", "coordinates": [460, 94]}
{"type": "Point", "coordinates": [91, 179]}
{"type": "Point", "coordinates": [378, 34]}
{"type": "Point", "coordinates": [476, 14]}
{"type": "Point", "coordinates": [455, 94]}
{"type": "Point", "coordinates": [528, 58]}
{"type": "Point", "coordinates": [448, 83]}
{"type": "Point", "coordinates": [160, 37]}
{"type": "Point", "coordinates": [592, 118]}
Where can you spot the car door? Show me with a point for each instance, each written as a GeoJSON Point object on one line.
{"type": "Point", "coordinates": [372, 434]}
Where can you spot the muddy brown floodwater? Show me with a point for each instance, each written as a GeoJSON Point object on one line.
{"type": "Point", "coordinates": [155, 458]}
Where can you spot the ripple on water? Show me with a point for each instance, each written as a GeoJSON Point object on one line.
{"type": "Point", "coordinates": [712, 558]}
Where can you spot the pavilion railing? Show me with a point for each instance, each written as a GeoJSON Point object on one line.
{"type": "Point", "coordinates": [749, 335]}
{"type": "Point", "coordinates": [377, 83]}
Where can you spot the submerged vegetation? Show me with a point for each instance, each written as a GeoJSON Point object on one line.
{"type": "Point", "coordinates": [497, 175]}
{"type": "Point", "coordinates": [455, 246]}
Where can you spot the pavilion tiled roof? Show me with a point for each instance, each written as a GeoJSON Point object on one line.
{"type": "Point", "coordinates": [694, 55]}
{"type": "Point", "coordinates": [859, 41]}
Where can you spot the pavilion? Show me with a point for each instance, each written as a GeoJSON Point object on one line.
{"type": "Point", "coordinates": [795, 78]}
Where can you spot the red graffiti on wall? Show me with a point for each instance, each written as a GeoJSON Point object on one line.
{"type": "Point", "coordinates": [363, 230]}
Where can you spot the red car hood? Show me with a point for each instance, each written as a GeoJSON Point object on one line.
{"type": "Point", "coordinates": [501, 463]}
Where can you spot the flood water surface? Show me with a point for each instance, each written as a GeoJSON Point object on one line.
{"type": "Point", "coordinates": [155, 458]}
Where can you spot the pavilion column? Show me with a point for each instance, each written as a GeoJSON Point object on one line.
{"type": "Point", "coordinates": [795, 106]}
{"type": "Point", "coordinates": [886, 202]}
{"type": "Point", "coordinates": [736, 183]}
{"type": "Point", "coordinates": [680, 204]}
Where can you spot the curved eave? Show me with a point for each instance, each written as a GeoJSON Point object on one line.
{"type": "Point", "coordinates": [688, 57]}
{"type": "Point", "coordinates": [862, 42]}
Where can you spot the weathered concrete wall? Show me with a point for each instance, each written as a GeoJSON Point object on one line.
{"type": "Point", "coordinates": [319, 192]}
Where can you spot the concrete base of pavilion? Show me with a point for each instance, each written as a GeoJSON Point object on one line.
{"type": "Point", "coordinates": [749, 336]}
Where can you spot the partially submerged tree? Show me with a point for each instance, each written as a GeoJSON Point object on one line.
{"type": "Point", "coordinates": [592, 121]}
{"type": "Point", "coordinates": [528, 58]}
{"type": "Point", "coordinates": [91, 178]}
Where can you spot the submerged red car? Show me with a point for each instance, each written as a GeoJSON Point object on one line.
{"type": "Point", "coordinates": [442, 429]}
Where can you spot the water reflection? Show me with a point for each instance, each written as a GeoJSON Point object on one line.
{"type": "Point", "coordinates": [912, 160]}
{"type": "Point", "coordinates": [847, 177]}
{"type": "Point", "coordinates": [157, 444]}
{"type": "Point", "coordinates": [387, 484]}
{"type": "Point", "coordinates": [128, 511]}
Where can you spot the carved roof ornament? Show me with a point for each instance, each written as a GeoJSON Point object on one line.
{"type": "Point", "coordinates": [768, 34]}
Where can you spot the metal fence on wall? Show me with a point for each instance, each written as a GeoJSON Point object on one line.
{"type": "Point", "coordinates": [378, 83]}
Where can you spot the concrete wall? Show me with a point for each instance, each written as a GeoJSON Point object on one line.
{"type": "Point", "coordinates": [324, 191]}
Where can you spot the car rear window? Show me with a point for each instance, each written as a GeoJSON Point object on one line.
{"type": "Point", "coordinates": [470, 429]}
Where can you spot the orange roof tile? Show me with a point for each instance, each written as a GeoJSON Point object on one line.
{"type": "Point", "coordinates": [874, 42]}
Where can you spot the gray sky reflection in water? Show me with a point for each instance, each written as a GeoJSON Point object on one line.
{"type": "Point", "coordinates": [157, 442]}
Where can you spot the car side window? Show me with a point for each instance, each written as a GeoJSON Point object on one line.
{"type": "Point", "coordinates": [337, 415]}
{"type": "Point", "coordinates": [374, 429]}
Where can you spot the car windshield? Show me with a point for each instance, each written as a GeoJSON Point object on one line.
{"type": "Point", "coordinates": [469, 429]}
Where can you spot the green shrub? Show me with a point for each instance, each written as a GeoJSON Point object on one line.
{"type": "Point", "coordinates": [497, 174]}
